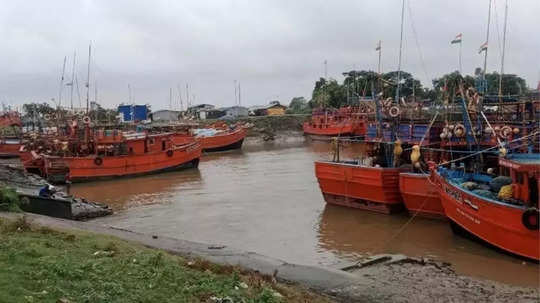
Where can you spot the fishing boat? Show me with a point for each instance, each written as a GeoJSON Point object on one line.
{"type": "Point", "coordinates": [343, 122]}
{"type": "Point", "coordinates": [350, 184]}
{"type": "Point", "coordinates": [509, 223]}
{"type": "Point", "coordinates": [420, 195]}
{"type": "Point", "coordinates": [221, 139]}
{"type": "Point", "coordinates": [10, 147]}
{"type": "Point", "coordinates": [115, 154]}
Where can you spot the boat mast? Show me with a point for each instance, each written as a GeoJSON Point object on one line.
{"type": "Point", "coordinates": [72, 79]}
{"type": "Point", "coordinates": [502, 56]}
{"type": "Point", "coordinates": [88, 79]}
{"type": "Point", "coordinates": [400, 48]}
{"type": "Point", "coordinates": [487, 48]}
{"type": "Point", "coordinates": [61, 83]}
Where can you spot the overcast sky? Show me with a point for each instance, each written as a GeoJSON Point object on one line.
{"type": "Point", "coordinates": [274, 48]}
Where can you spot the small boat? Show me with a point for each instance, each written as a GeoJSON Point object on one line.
{"type": "Point", "coordinates": [344, 122]}
{"type": "Point", "coordinates": [358, 186]}
{"type": "Point", "coordinates": [510, 224]}
{"type": "Point", "coordinates": [420, 195]}
{"type": "Point", "coordinates": [222, 140]}
{"type": "Point", "coordinates": [118, 155]}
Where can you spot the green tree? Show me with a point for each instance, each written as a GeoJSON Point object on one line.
{"type": "Point", "coordinates": [511, 84]}
{"type": "Point", "coordinates": [329, 93]}
{"type": "Point", "coordinates": [298, 105]}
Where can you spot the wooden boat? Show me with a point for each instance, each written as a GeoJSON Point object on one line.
{"type": "Point", "coordinates": [119, 156]}
{"type": "Point", "coordinates": [352, 185]}
{"type": "Point", "coordinates": [420, 195]}
{"type": "Point", "coordinates": [511, 225]}
{"type": "Point", "coordinates": [341, 123]}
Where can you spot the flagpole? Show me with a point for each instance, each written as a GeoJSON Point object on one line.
{"type": "Point", "coordinates": [460, 67]}
{"type": "Point", "coordinates": [379, 68]}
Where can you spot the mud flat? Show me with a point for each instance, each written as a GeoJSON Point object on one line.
{"type": "Point", "coordinates": [382, 278]}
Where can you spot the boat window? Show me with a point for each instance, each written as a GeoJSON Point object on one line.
{"type": "Point", "coordinates": [163, 145]}
{"type": "Point", "coordinates": [152, 141]}
{"type": "Point", "coordinates": [131, 150]}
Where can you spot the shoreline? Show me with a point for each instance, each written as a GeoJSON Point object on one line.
{"type": "Point", "coordinates": [383, 278]}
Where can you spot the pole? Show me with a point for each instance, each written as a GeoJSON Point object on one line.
{"type": "Point", "coordinates": [460, 66]}
{"type": "Point", "coordinates": [88, 79]}
{"type": "Point", "coordinates": [170, 98]}
{"type": "Point", "coordinates": [180, 97]}
{"type": "Point", "coordinates": [400, 48]}
{"type": "Point", "coordinates": [502, 57]}
{"type": "Point", "coordinates": [61, 83]}
{"type": "Point", "coordinates": [380, 49]}
{"type": "Point", "coordinates": [239, 94]}
{"type": "Point", "coordinates": [72, 79]}
{"type": "Point", "coordinates": [325, 69]}
{"type": "Point", "coordinates": [487, 44]}
{"type": "Point", "coordinates": [187, 95]}
{"type": "Point", "coordinates": [129, 93]}
{"type": "Point", "coordinates": [235, 93]}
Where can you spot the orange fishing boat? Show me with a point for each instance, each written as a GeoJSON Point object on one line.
{"type": "Point", "coordinates": [344, 122]}
{"type": "Point", "coordinates": [510, 224]}
{"type": "Point", "coordinates": [420, 195]}
{"type": "Point", "coordinates": [119, 155]}
{"type": "Point", "coordinates": [9, 147]}
{"type": "Point", "coordinates": [216, 138]}
{"type": "Point", "coordinates": [223, 140]}
{"type": "Point", "coordinates": [352, 185]}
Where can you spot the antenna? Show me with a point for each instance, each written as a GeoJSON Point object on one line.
{"type": "Point", "coordinates": [88, 78]}
{"type": "Point", "coordinates": [325, 69]}
{"type": "Point", "coordinates": [61, 83]}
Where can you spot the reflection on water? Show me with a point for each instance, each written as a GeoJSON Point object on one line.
{"type": "Point", "coordinates": [269, 201]}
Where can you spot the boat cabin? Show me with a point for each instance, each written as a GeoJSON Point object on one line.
{"type": "Point", "coordinates": [524, 169]}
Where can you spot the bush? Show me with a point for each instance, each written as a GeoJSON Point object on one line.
{"type": "Point", "coordinates": [9, 200]}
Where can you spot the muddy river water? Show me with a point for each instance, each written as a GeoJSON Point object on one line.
{"type": "Point", "coordinates": [267, 200]}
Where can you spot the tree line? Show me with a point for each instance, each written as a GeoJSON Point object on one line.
{"type": "Point", "coordinates": [329, 93]}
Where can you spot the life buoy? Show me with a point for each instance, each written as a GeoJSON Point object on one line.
{"type": "Point", "coordinates": [506, 131]}
{"type": "Point", "coordinates": [530, 218]}
{"type": "Point", "coordinates": [47, 117]}
{"type": "Point", "coordinates": [170, 153]}
{"type": "Point", "coordinates": [86, 120]}
{"type": "Point", "coordinates": [394, 111]}
{"type": "Point", "coordinates": [98, 161]}
{"type": "Point", "coordinates": [459, 130]}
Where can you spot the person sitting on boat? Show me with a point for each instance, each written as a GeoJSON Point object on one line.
{"type": "Point", "coordinates": [46, 191]}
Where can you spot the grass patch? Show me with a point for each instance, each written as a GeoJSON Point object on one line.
{"type": "Point", "coordinates": [45, 265]}
{"type": "Point", "coordinates": [9, 200]}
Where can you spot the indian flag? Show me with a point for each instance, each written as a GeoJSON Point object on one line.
{"type": "Point", "coordinates": [457, 39]}
{"type": "Point", "coordinates": [483, 47]}
{"type": "Point", "coordinates": [378, 46]}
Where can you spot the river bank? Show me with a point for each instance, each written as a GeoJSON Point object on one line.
{"type": "Point", "coordinates": [386, 278]}
{"type": "Point", "coordinates": [105, 268]}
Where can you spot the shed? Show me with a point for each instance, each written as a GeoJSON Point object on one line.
{"type": "Point", "coordinates": [274, 108]}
